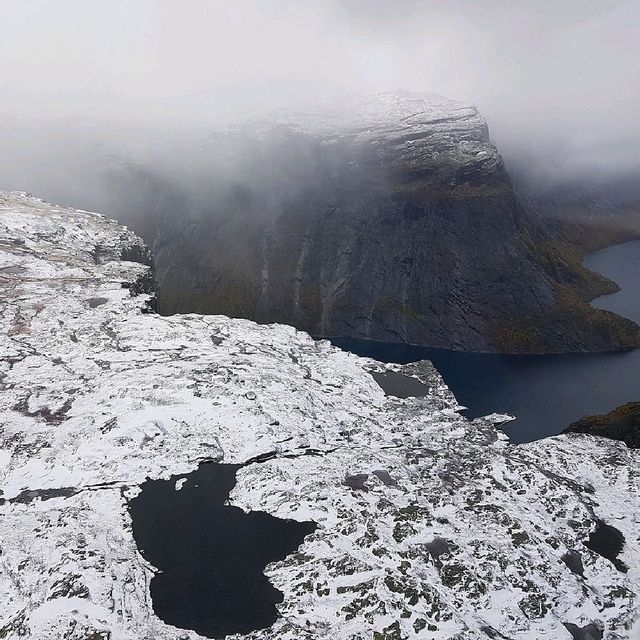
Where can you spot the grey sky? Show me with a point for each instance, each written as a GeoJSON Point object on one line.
{"type": "Point", "coordinates": [558, 76]}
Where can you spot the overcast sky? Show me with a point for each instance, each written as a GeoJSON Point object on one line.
{"type": "Point", "coordinates": [547, 74]}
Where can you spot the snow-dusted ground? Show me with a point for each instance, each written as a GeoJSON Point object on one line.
{"type": "Point", "coordinates": [464, 539]}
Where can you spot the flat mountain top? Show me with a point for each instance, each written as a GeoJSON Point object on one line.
{"type": "Point", "coordinates": [428, 525]}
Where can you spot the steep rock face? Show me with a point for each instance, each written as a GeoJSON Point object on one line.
{"type": "Point", "coordinates": [391, 218]}
{"type": "Point", "coordinates": [428, 525]}
{"type": "Point", "coordinates": [574, 218]}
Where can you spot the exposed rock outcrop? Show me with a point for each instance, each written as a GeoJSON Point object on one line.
{"type": "Point", "coordinates": [623, 423]}
{"type": "Point", "coordinates": [448, 532]}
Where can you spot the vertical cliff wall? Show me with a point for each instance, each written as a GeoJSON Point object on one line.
{"type": "Point", "coordinates": [392, 218]}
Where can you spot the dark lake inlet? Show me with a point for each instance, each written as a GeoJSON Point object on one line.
{"type": "Point", "coordinates": [546, 393]}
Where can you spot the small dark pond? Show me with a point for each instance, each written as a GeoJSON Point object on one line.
{"type": "Point", "coordinates": [96, 302]}
{"type": "Point", "coordinates": [211, 555]}
{"type": "Point", "coordinates": [401, 386]}
{"type": "Point", "coordinates": [589, 632]}
{"type": "Point", "coordinates": [608, 542]}
{"type": "Point", "coordinates": [546, 393]}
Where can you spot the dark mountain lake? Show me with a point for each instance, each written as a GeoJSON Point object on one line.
{"type": "Point", "coordinates": [210, 555]}
{"type": "Point", "coordinates": [546, 393]}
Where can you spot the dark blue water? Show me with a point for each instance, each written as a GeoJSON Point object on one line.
{"type": "Point", "coordinates": [620, 263]}
{"type": "Point", "coordinates": [211, 555]}
{"type": "Point", "coordinates": [546, 393]}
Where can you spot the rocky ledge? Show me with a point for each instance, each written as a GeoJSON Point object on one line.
{"type": "Point", "coordinates": [428, 525]}
{"type": "Point", "coordinates": [623, 423]}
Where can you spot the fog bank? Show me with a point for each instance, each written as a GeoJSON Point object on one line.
{"type": "Point", "coordinates": [556, 80]}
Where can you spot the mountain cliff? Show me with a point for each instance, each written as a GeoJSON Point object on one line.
{"type": "Point", "coordinates": [427, 525]}
{"type": "Point", "coordinates": [389, 218]}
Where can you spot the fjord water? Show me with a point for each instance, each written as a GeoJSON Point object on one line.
{"type": "Point", "coordinates": [546, 393]}
{"type": "Point", "coordinates": [620, 263]}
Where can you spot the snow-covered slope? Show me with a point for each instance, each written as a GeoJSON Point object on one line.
{"type": "Point", "coordinates": [464, 538]}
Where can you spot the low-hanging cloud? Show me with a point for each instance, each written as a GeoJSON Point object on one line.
{"type": "Point", "coordinates": [558, 81]}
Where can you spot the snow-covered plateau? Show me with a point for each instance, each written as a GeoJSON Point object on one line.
{"type": "Point", "coordinates": [429, 525]}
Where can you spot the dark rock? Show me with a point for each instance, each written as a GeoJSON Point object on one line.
{"type": "Point", "coordinates": [137, 253]}
{"type": "Point", "coordinates": [69, 587]}
{"type": "Point", "coordinates": [492, 633]}
{"type": "Point", "coordinates": [385, 478]}
{"type": "Point", "coordinates": [438, 547]}
{"type": "Point", "coordinates": [96, 302]}
{"type": "Point", "coordinates": [357, 481]}
{"type": "Point", "coordinates": [623, 423]}
{"type": "Point", "coordinates": [589, 632]}
{"type": "Point", "coordinates": [29, 495]}
{"type": "Point", "coordinates": [573, 560]}
{"type": "Point", "coordinates": [392, 632]}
